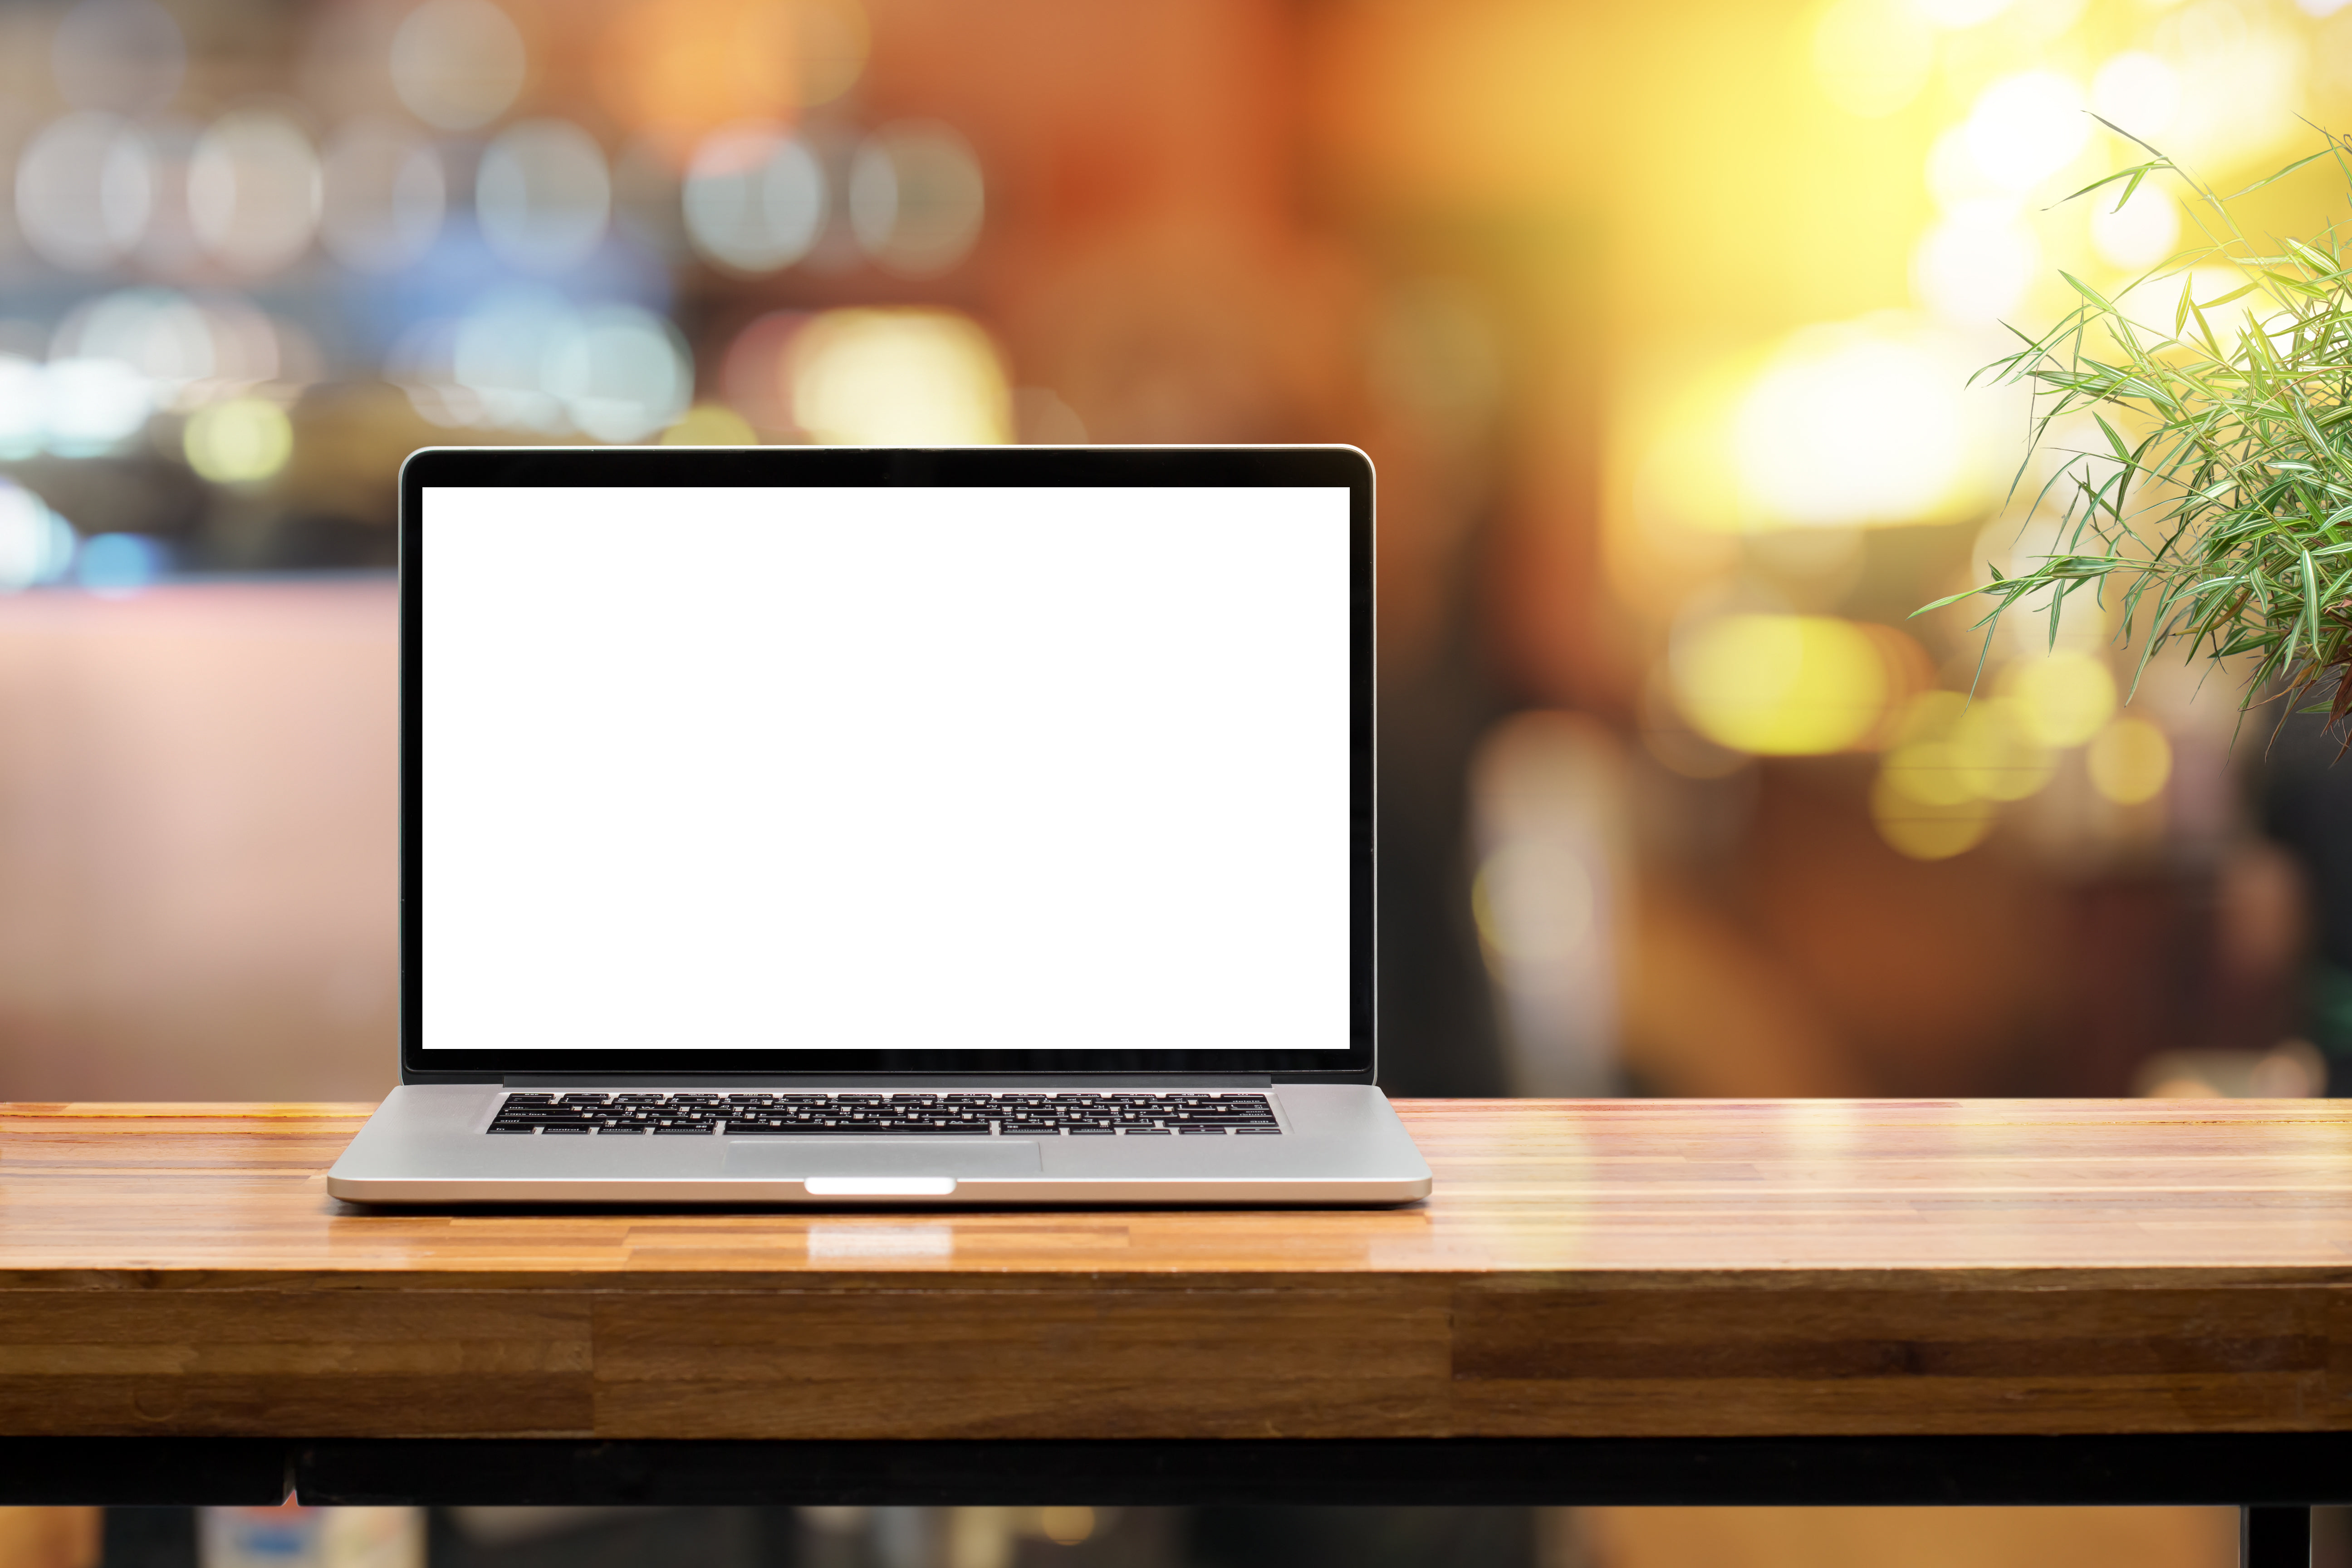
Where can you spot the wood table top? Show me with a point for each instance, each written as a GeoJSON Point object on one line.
{"type": "Point", "coordinates": [1583, 1268]}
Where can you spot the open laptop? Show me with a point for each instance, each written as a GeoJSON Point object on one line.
{"type": "Point", "coordinates": [829, 826]}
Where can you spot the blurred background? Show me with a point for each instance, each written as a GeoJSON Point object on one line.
{"type": "Point", "coordinates": [1657, 320]}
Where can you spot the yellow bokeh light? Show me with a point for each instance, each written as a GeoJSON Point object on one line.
{"type": "Point", "coordinates": [240, 442]}
{"type": "Point", "coordinates": [711, 424]}
{"type": "Point", "coordinates": [1926, 830]}
{"type": "Point", "coordinates": [1928, 772]}
{"type": "Point", "coordinates": [1949, 751]}
{"type": "Point", "coordinates": [2062, 698]}
{"type": "Point", "coordinates": [1996, 749]}
{"type": "Point", "coordinates": [1872, 56]}
{"type": "Point", "coordinates": [1066, 1526]}
{"type": "Point", "coordinates": [899, 378]}
{"type": "Point", "coordinates": [2130, 762]}
{"type": "Point", "coordinates": [1781, 685]}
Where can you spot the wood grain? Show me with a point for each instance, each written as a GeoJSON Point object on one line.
{"type": "Point", "coordinates": [1583, 1268]}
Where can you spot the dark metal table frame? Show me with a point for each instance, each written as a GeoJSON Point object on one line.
{"type": "Point", "coordinates": [2274, 1478]}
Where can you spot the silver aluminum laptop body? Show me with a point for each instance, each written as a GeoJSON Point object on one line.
{"type": "Point", "coordinates": [834, 827]}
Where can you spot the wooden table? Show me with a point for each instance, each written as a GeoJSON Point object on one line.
{"type": "Point", "coordinates": [1644, 1299]}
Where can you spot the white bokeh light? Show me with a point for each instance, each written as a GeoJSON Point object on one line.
{"type": "Point", "coordinates": [36, 546]}
{"type": "Point", "coordinates": [254, 190]}
{"type": "Point", "coordinates": [1851, 426]}
{"type": "Point", "coordinates": [620, 372]}
{"type": "Point", "coordinates": [544, 195]}
{"type": "Point", "coordinates": [1958, 13]}
{"type": "Point", "coordinates": [501, 353]}
{"type": "Point", "coordinates": [1953, 178]}
{"type": "Point", "coordinates": [384, 197]}
{"type": "Point", "coordinates": [159, 333]}
{"type": "Point", "coordinates": [887, 378]}
{"type": "Point", "coordinates": [754, 198]}
{"type": "Point", "coordinates": [1974, 267]}
{"type": "Point", "coordinates": [92, 407]}
{"type": "Point", "coordinates": [2025, 128]}
{"type": "Point", "coordinates": [2141, 233]}
{"type": "Point", "coordinates": [84, 190]}
{"type": "Point", "coordinates": [916, 198]}
{"type": "Point", "coordinates": [2138, 93]}
{"type": "Point", "coordinates": [456, 64]}
{"type": "Point", "coordinates": [22, 404]}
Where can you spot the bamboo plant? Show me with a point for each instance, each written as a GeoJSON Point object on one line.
{"type": "Point", "coordinates": [2217, 499]}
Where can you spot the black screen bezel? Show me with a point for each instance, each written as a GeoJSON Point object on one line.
{"type": "Point", "coordinates": [689, 467]}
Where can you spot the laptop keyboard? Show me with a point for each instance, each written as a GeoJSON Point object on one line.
{"type": "Point", "coordinates": [807, 1115]}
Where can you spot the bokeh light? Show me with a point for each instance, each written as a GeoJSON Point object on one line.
{"type": "Point", "coordinates": [2130, 761]}
{"type": "Point", "coordinates": [711, 424]}
{"type": "Point", "coordinates": [1928, 830]}
{"type": "Point", "coordinates": [458, 64]}
{"type": "Point", "coordinates": [1959, 14]}
{"type": "Point", "coordinates": [2141, 232]}
{"type": "Point", "coordinates": [183, 352]}
{"type": "Point", "coordinates": [620, 372]}
{"type": "Point", "coordinates": [92, 407]}
{"type": "Point", "coordinates": [1975, 267]}
{"type": "Point", "coordinates": [544, 195]}
{"type": "Point", "coordinates": [677, 70]}
{"type": "Point", "coordinates": [1780, 685]}
{"type": "Point", "coordinates": [1532, 899]}
{"type": "Point", "coordinates": [21, 407]}
{"type": "Point", "coordinates": [500, 351]}
{"type": "Point", "coordinates": [254, 190]}
{"type": "Point", "coordinates": [755, 376]}
{"type": "Point", "coordinates": [242, 441]}
{"type": "Point", "coordinates": [1948, 761]}
{"type": "Point", "coordinates": [916, 198]}
{"type": "Point", "coordinates": [1993, 746]}
{"type": "Point", "coordinates": [122, 55]}
{"type": "Point", "coordinates": [754, 198]}
{"type": "Point", "coordinates": [910, 377]}
{"type": "Point", "coordinates": [2242, 83]}
{"type": "Point", "coordinates": [117, 566]}
{"type": "Point", "coordinates": [84, 189]}
{"type": "Point", "coordinates": [159, 333]}
{"type": "Point", "coordinates": [384, 196]}
{"type": "Point", "coordinates": [1872, 56]}
{"type": "Point", "coordinates": [2064, 698]}
{"type": "Point", "coordinates": [2026, 127]}
{"type": "Point", "coordinates": [1066, 1526]}
{"type": "Point", "coordinates": [1851, 423]}
{"type": "Point", "coordinates": [2138, 93]}
{"type": "Point", "coordinates": [36, 546]}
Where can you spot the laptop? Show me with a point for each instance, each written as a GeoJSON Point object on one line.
{"type": "Point", "coordinates": [807, 826]}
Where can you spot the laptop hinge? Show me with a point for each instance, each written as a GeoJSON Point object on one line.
{"type": "Point", "coordinates": [887, 1080]}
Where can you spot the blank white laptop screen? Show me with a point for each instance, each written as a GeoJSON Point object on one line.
{"type": "Point", "coordinates": [885, 769]}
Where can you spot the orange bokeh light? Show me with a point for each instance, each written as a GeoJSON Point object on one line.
{"type": "Point", "coordinates": [676, 68]}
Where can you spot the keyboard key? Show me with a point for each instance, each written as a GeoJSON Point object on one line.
{"type": "Point", "coordinates": [1018, 1114]}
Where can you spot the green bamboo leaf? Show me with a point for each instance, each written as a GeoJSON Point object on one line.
{"type": "Point", "coordinates": [2310, 602]}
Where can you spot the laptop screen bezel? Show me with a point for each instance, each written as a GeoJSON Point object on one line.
{"type": "Point", "coordinates": [692, 467]}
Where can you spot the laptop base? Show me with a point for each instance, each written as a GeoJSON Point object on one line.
{"type": "Point", "coordinates": [431, 1144]}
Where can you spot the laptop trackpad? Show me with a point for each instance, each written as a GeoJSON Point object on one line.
{"type": "Point", "coordinates": [965, 1158]}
